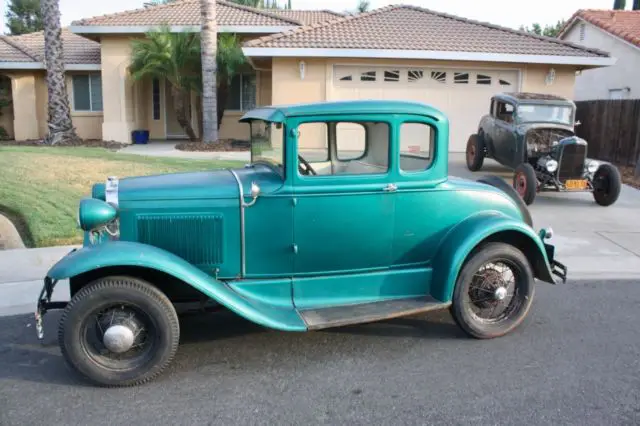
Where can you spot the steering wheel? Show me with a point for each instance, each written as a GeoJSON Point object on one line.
{"type": "Point", "coordinates": [307, 170]}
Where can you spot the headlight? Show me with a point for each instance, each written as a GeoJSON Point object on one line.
{"type": "Point", "coordinates": [552, 166]}
{"type": "Point", "coordinates": [593, 166]}
{"type": "Point", "coordinates": [93, 214]}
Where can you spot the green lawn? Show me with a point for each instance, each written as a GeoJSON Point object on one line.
{"type": "Point", "coordinates": [40, 187]}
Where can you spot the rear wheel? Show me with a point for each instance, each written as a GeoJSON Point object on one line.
{"type": "Point", "coordinates": [119, 331]}
{"type": "Point", "coordinates": [525, 182]}
{"type": "Point", "coordinates": [475, 153]}
{"type": "Point", "coordinates": [607, 185]}
{"type": "Point", "coordinates": [494, 291]}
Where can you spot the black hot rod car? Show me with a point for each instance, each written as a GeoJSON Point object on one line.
{"type": "Point", "coordinates": [534, 135]}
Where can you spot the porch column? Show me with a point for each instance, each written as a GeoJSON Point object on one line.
{"type": "Point", "coordinates": [117, 90]}
{"type": "Point", "coordinates": [25, 121]}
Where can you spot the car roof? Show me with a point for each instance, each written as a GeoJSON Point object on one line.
{"type": "Point", "coordinates": [280, 112]}
{"type": "Point", "coordinates": [521, 97]}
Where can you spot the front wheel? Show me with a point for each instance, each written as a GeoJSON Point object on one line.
{"type": "Point", "coordinates": [525, 182]}
{"type": "Point", "coordinates": [607, 184]}
{"type": "Point", "coordinates": [494, 291]}
{"type": "Point", "coordinates": [119, 331]}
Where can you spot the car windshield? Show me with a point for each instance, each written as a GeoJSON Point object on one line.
{"type": "Point", "coordinates": [548, 113]}
{"type": "Point", "coordinates": [267, 143]}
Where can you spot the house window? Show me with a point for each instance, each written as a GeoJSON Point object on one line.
{"type": "Point", "coordinates": [155, 94]}
{"type": "Point", "coordinates": [242, 92]}
{"type": "Point", "coordinates": [461, 78]}
{"type": "Point", "coordinates": [618, 93]}
{"type": "Point", "coordinates": [483, 79]}
{"type": "Point", "coordinates": [87, 92]}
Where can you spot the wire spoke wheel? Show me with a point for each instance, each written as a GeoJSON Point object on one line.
{"type": "Point", "coordinates": [119, 336]}
{"type": "Point", "coordinates": [494, 291]}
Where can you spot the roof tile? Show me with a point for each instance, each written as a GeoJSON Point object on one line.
{"type": "Point", "coordinates": [187, 12]}
{"type": "Point", "coordinates": [404, 27]}
{"type": "Point", "coordinates": [308, 17]}
{"type": "Point", "coordinates": [30, 48]}
{"type": "Point", "coordinates": [622, 23]}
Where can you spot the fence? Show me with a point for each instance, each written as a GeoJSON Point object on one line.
{"type": "Point", "coordinates": [611, 128]}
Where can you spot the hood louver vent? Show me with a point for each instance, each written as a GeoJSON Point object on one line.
{"type": "Point", "coordinates": [196, 238]}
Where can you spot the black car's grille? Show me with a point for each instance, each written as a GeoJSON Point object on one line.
{"type": "Point", "coordinates": [572, 160]}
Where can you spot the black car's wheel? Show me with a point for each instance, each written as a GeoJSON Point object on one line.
{"type": "Point", "coordinates": [607, 184]}
{"type": "Point", "coordinates": [475, 153]}
{"type": "Point", "coordinates": [494, 291]}
{"type": "Point", "coordinates": [119, 331]}
{"type": "Point", "coordinates": [525, 182]}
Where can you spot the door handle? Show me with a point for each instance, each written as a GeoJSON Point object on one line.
{"type": "Point", "coordinates": [390, 188]}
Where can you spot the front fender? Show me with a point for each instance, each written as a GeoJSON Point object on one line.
{"type": "Point", "coordinates": [465, 236]}
{"type": "Point", "coordinates": [123, 253]}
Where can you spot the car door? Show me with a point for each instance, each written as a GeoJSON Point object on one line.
{"type": "Point", "coordinates": [504, 140]}
{"type": "Point", "coordinates": [343, 215]}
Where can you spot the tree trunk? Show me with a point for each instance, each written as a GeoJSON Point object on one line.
{"type": "Point", "coordinates": [181, 101]}
{"type": "Point", "coordinates": [209, 41]}
{"type": "Point", "coordinates": [222, 94]}
{"type": "Point", "coordinates": [637, 170]}
{"type": "Point", "coordinates": [60, 125]}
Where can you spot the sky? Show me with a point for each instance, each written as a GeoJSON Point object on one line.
{"type": "Point", "coordinates": [509, 13]}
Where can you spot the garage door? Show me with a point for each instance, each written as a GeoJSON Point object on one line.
{"type": "Point", "coordinates": [462, 94]}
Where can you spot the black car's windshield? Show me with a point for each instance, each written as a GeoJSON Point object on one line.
{"type": "Point", "coordinates": [547, 113]}
{"type": "Point", "coordinates": [267, 143]}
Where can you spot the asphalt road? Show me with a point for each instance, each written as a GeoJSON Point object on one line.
{"type": "Point", "coordinates": [576, 360]}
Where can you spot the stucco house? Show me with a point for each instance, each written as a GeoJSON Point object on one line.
{"type": "Point", "coordinates": [396, 52]}
{"type": "Point", "coordinates": [617, 32]}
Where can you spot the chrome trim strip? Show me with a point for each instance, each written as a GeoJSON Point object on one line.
{"type": "Point", "coordinates": [242, 242]}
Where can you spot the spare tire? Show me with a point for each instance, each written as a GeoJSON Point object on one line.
{"type": "Point", "coordinates": [499, 183]}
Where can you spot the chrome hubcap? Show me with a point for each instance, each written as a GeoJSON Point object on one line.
{"type": "Point", "coordinates": [500, 293]}
{"type": "Point", "coordinates": [118, 338]}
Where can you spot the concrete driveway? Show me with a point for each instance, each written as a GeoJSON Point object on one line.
{"type": "Point", "coordinates": [593, 241]}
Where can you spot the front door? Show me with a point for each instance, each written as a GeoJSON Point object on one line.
{"type": "Point", "coordinates": [343, 209]}
{"type": "Point", "coordinates": [504, 140]}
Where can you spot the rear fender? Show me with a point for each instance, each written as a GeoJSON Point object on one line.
{"type": "Point", "coordinates": [475, 230]}
{"type": "Point", "coordinates": [123, 254]}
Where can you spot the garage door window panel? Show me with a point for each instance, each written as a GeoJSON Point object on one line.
{"type": "Point", "coordinates": [417, 142]}
{"type": "Point", "coordinates": [439, 77]}
{"type": "Point", "coordinates": [368, 76]}
{"type": "Point", "coordinates": [461, 78]}
{"type": "Point", "coordinates": [415, 76]}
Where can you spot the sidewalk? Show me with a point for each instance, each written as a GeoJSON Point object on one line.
{"type": "Point", "coordinates": [167, 149]}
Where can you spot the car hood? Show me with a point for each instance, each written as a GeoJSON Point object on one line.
{"type": "Point", "coordinates": [523, 128]}
{"type": "Point", "coordinates": [215, 184]}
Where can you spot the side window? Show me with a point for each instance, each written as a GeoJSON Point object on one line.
{"type": "Point", "coordinates": [505, 112]}
{"type": "Point", "coordinates": [360, 148]}
{"type": "Point", "coordinates": [313, 142]}
{"type": "Point", "coordinates": [417, 141]}
{"type": "Point", "coordinates": [350, 141]}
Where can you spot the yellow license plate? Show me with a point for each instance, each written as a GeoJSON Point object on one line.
{"type": "Point", "coordinates": [576, 184]}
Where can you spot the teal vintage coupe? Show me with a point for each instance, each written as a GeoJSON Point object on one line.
{"type": "Point", "coordinates": [344, 215]}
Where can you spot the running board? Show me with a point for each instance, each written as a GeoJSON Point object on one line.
{"type": "Point", "coordinates": [317, 319]}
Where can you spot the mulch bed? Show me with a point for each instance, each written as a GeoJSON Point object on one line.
{"type": "Point", "coordinates": [86, 143]}
{"type": "Point", "coordinates": [221, 145]}
{"type": "Point", "coordinates": [627, 176]}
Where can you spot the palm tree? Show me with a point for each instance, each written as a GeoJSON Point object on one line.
{"type": "Point", "coordinates": [174, 57]}
{"type": "Point", "coordinates": [208, 40]}
{"type": "Point", "coordinates": [60, 125]}
{"type": "Point", "coordinates": [363, 6]}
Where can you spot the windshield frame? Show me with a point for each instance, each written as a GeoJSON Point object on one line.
{"type": "Point", "coordinates": [569, 123]}
{"type": "Point", "coordinates": [268, 161]}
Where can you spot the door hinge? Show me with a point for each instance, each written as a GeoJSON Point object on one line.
{"type": "Point", "coordinates": [294, 201]}
{"type": "Point", "coordinates": [295, 248]}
